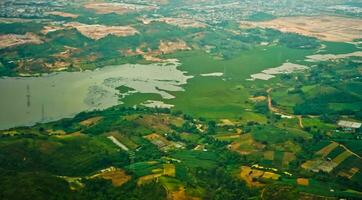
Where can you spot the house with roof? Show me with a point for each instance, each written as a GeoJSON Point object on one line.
{"type": "Point", "coordinates": [349, 126]}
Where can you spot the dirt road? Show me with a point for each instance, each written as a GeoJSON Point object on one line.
{"type": "Point", "coordinates": [280, 112]}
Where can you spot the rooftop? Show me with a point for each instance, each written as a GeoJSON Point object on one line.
{"type": "Point", "coordinates": [349, 124]}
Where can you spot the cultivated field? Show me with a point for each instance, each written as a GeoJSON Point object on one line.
{"type": "Point", "coordinates": [327, 149]}
{"type": "Point", "coordinates": [333, 161]}
{"type": "Point", "coordinates": [287, 158]}
{"type": "Point", "coordinates": [169, 170]}
{"type": "Point", "coordinates": [246, 145]}
{"type": "Point", "coordinates": [341, 157]}
{"type": "Point", "coordinates": [349, 173]}
{"type": "Point", "coordinates": [251, 176]}
{"type": "Point", "coordinates": [269, 155]}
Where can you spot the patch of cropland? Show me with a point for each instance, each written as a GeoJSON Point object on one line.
{"type": "Point", "coordinates": [147, 150]}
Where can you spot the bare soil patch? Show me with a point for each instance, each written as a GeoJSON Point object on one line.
{"type": "Point", "coordinates": [62, 14]}
{"type": "Point", "coordinates": [117, 176]}
{"type": "Point", "coordinates": [91, 121]}
{"type": "Point", "coordinates": [51, 28]}
{"type": "Point", "coordinates": [258, 98]}
{"type": "Point", "coordinates": [180, 22]}
{"type": "Point", "coordinates": [165, 47]}
{"type": "Point", "coordinates": [148, 178]}
{"type": "Point", "coordinates": [303, 181]}
{"type": "Point", "coordinates": [118, 8]}
{"type": "Point", "coordinates": [327, 28]}
{"type": "Point", "coordinates": [349, 173]}
{"type": "Point", "coordinates": [11, 40]}
{"type": "Point", "coordinates": [96, 31]}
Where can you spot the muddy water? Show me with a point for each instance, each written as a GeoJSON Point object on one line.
{"type": "Point", "coordinates": [26, 101]}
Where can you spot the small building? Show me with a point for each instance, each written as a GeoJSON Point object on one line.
{"type": "Point", "coordinates": [349, 126]}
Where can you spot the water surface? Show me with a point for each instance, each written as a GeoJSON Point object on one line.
{"type": "Point", "coordinates": [26, 101]}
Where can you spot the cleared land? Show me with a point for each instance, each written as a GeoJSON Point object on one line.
{"type": "Point", "coordinates": [327, 28]}
{"type": "Point", "coordinates": [303, 181]}
{"type": "Point", "coordinates": [62, 14]}
{"type": "Point", "coordinates": [180, 22]}
{"type": "Point", "coordinates": [118, 8]}
{"type": "Point", "coordinates": [12, 40]}
{"type": "Point", "coordinates": [91, 121]}
{"type": "Point", "coordinates": [96, 31]}
{"type": "Point", "coordinates": [117, 176]}
{"type": "Point", "coordinates": [51, 28]}
{"type": "Point", "coordinates": [258, 98]}
{"type": "Point", "coordinates": [165, 47]}
{"type": "Point", "coordinates": [286, 68]}
{"type": "Point", "coordinates": [329, 57]}
{"type": "Point", "coordinates": [118, 143]}
{"type": "Point", "coordinates": [125, 140]}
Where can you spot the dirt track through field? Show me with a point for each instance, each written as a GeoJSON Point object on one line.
{"type": "Point", "coordinates": [278, 111]}
{"type": "Point", "coordinates": [348, 150]}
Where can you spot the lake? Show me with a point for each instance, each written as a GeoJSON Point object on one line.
{"type": "Point", "coordinates": [26, 101]}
